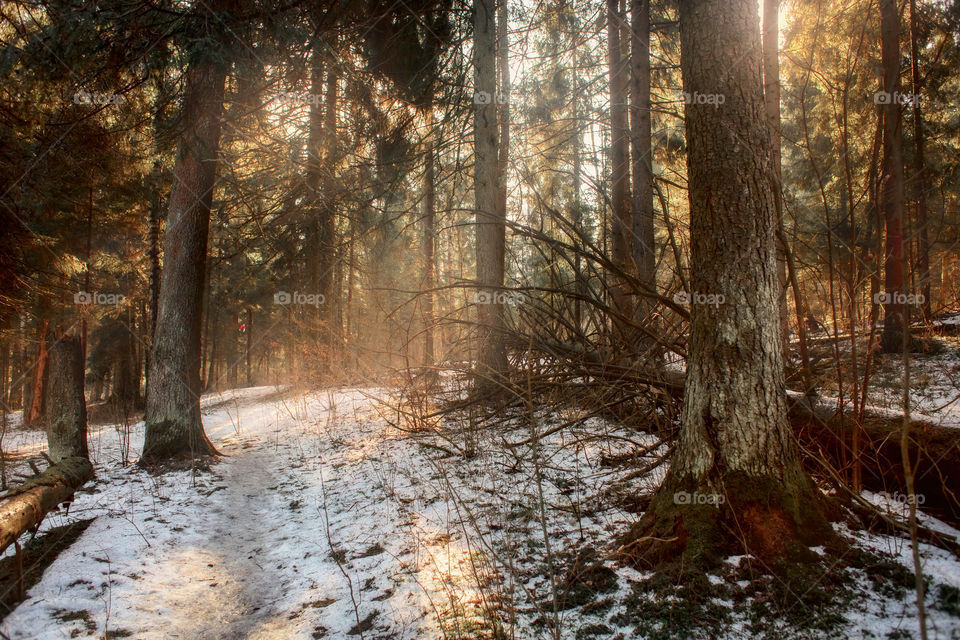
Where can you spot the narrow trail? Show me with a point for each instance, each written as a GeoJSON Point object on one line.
{"type": "Point", "coordinates": [296, 532]}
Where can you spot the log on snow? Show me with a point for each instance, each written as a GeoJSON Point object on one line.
{"type": "Point", "coordinates": [24, 507]}
{"type": "Point", "coordinates": [934, 451]}
{"type": "Point", "coordinates": [821, 431]}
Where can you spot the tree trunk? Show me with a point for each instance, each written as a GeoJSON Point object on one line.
{"type": "Point", "coordinates": [771, 96]}
{"type": "Point", "coordinates": [23, 508]}
{"type": "Point", "coordinates": [34, 409]}
{"type": "Point", "coordinates": [644, 249]}
{"type": "Point", "coordinates": [491, 227]}
{"type": "Point", "coordinates": [173, 426]}
{"type": "Point", "coordinates": [621, 223]}
{"type": "Point", "coordinates": [127, 385]}
{"type": "Point", "coordinates": [156, 202]}
{"type": "Point", "coordinates": [920, 169]}
{"type": "Point", "coordinates": [429, 254]}
{"type": "Point", "coordinates": [249, 335]}
{"type": "Point", "coordinates": [66, 418]}
{"type": "Point", "coordinates": [891, 184]}
{"type": "Point", "coordinates": [735, 479]}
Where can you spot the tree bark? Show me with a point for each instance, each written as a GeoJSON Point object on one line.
{"type": "Point", "coordinates": [644, 249]}
{"type": "Point", "coordinates": [920, 169]}
{"type": "Point", "coordinates": [491, 227]}
{"type": "Point", "coordinates": [429, 253]}
{"type": "Point", "coordinates": [66, 417]}
{"type": "Point", "coordinates": [735, 479]}
{"type": "Point", "coordinates": [891, 184]}
{"type": "Point", "coordinates": [34, 408]}
{"type": "Point", "coordinates": [620, 222]}
{"type": "Point", "coordinates": [173, 427]}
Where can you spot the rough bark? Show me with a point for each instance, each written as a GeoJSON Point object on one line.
{"type": "Point", "coordinates": [24, 507]}
{"type": "Point", "coordinates": [735, 442]}
{"type": "Point", "coordinates": [173, 427]}
{"type": "Point", "coordinates": [891, 184]}
{"type": "Point", "coordinates": [644, 249]}
{"type": "Point", "coordinates": [66, 416]}
{"type": "Point", "coordinates": [621, 223]}
{"type": "Point", "coordinates": [491, 227]}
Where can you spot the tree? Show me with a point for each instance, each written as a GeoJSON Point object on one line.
{"type": "Point", "coordinates": [429, 249]}
{"type": "Point", "coordinates": [644, 249]}
{"type": "Point", "coordinates": [621, 223]}
{"type": "Point", "coordinates": [771, 96]}
{"type": "Point", "coordinates": [891, 183]}
{"type": "Point", "coordinates": [920, 167]}
{"type": "Point", "coordinates": [173, 426]}
{"type": "Point", "coordinates": [735, 477]}
{"type": "Point", "coordinates": [491, 227]}
{"type": "Point", "coordinates": [66, 419]}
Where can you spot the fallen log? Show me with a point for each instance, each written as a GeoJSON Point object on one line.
{"type": "Point", "coordinates": [24, 507]}
{"type": "Point", "coordinates": [934, 450]}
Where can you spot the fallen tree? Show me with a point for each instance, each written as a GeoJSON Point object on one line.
{"type": "Point", "coordinates": [821, 429]}
{"type": "Point", "coordinates": [24, 507]}
{"type": "Point", "coordinates": [933, 449]}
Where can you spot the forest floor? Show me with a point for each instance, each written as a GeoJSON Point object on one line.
{"type": "Point", "coordinates": [323, 519]}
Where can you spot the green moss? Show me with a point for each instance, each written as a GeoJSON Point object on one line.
{"type": "Point", "coordinates": [586, 577]}
{"type": "Point", "coordinates": [948, 600]}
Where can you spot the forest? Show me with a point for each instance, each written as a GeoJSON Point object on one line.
{"type": "Point", "coordinates": [493, 319]}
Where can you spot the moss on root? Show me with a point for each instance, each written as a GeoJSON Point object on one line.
{"type": "Point", "coordinates": [171, 441]}
{"type": "Point", "coordinates": [690, 526]}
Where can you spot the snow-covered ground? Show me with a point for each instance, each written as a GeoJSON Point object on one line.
{"type": "Point", "coordinates": [324, 520]}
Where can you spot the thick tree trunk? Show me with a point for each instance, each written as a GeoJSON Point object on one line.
{"type": "Point", "coordinates": [644, 249]}
{"type": "Point", "coordinates": [173, 426]}
{"type": "Point", "coordinates": [23, 508]}
{"type": "Point", "coordinates": [891, 184]}
{"type": "Point", "coordinates": [491, 227]}
{"type": "Point", "coordinates": [620, 222]}
{"type": "Point", "coordinates": [735, 479]}
{"type": "Point", "coordinates": [66, 415]}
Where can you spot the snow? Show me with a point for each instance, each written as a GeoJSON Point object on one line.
{"type": "Point", "coordinates": [325, 520]}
